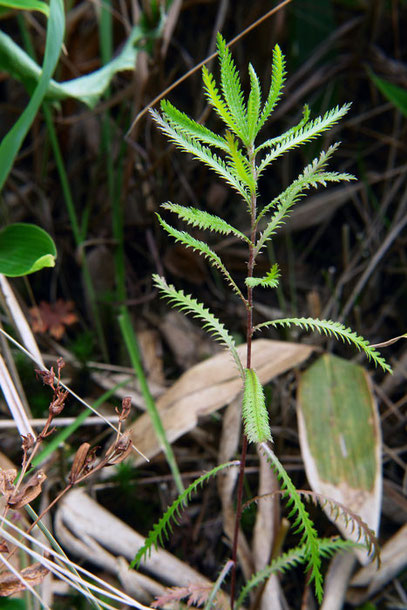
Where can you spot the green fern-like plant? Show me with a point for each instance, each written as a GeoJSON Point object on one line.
{"type": "Point", "coordinates": [235, 155]}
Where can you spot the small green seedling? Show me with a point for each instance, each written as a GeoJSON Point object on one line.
{"type": "Point", "coordinates": [240, 160]}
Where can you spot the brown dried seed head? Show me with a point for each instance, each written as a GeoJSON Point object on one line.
{"type": "Point", "coordinates": [60, 363]}
{"type": "Point", "coordinates": [79, 463]}
{"type": "Point", "coordinates": [58, 404]}
{"type": "Point", "coordinates": [126, 407]}
{"type": "Point", "coordinates": [46, 376]}
{"type": "Point", "coordinates": [119, 450]}
{"type": "Point", "coordinates": [27, 442]}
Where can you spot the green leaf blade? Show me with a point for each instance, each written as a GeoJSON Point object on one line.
{"type": "Point", "coordinates": [24, 249]}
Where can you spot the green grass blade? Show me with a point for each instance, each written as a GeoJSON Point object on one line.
{"type": "Point", "coordinates": [12, 142]}
{"type": "Point", "coordinates": [135, 358]}
{"type": "Point", "coordinates": [27, 5]}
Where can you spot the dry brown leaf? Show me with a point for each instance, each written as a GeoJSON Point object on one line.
{"type": "Point", "coordinates": [53, 317]}
{"type": "Point", "coordinates": [33, 575]}
{"type": "Point", "coordinates": [210, 385]}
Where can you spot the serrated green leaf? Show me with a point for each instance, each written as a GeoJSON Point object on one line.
{"type": "Point", "coordinates": [204, 220]}
{"type": "Point", "coordinates": [311, 130]}
{"type": "Point", "coordinates": [232, 90]}
{"type": "Point", "coordinates": [181, 122]}
{"type": "Point", "coordinates": [187, 304]}
{"type": "Point", "coordinates": [312, 176]}
{"type": "Point", "coordinates": [215, 100]}
{"type": "Point", "coordinates": [253, 105]}
{"type": "Point", "coordinates": [254, 410]}
{"type": "Point", "coordinates": [287, 134]}
{"type": "Point", "coordinates": [201, 152]}
{"type": "Point", "coordinates": [270, 280]}
{"type": "Point", "coordinates": [240, 164]}
{"type": "Point", "coordinates": [332, 329]}
{"type": "Point", "coordinates": [202, 248]}
{"type": "Point", "coordinates": [24, 249]}
{"type": "Point", "coordinates": [276, 85]}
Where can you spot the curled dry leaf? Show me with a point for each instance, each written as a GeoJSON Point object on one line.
{"type": "Point", "coordinates": [29, 491]}
{"type": "Point", "coordinates": [33, 575]}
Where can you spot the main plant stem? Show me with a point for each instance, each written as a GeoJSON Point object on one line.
{"type": "Point", "coordinates": [249, 334]}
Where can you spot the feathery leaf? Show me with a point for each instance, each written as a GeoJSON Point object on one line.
{"type": "Point", "coordinates": [204, 220]}
{"type": "Point", "coordinates": [181, 122]}
{"type": "Point", "coordinates": [254, 410]}
{"type": "Point", "coordinates": [232, 89]}
{"type": "Point", "coordinates": [312, 176]}
{"type": "Point", "coordinates": [173, 512]}
{"type": "Point", "coordinates": [293, 557]}
{"type": "Point", "coordinates": [202, 248]}
{"type": "Point", "coordinates": [215, 99]}
{"type": "Point", "coordinates": [287, 134]}
{"type": "Point", "coordinates": [201, 152]}
{"type": "Point", "coordinates": [240, 163]}
{"type": "Point", "coordinates": [302, 523]}
{"type": "Point", "coordinates": [276, 85]}
{"type": "Point", "coordinates": [212, 325]}
{"type": "Point", "coordinates": [308, 132]}
{"type": "Point", "coordinates": [253, 105]}
{"type": "Point", "coordinates": [270, 280]}
{"type": "Point", "coordinates": [335, 329]}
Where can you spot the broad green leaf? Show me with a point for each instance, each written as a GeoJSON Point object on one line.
{"type": "Point", "coordinates": [26, 5]}
{"type": "Point", "coordinates": [396, 95]}
{"type": "Point", "coordinates": [87, 89]}
{"type": "Point", "coordinates": [340, 439]}
{"type": "Point", "coordinates": [11, 143]}
{"type": "Point", "coordinates": [25, 248]}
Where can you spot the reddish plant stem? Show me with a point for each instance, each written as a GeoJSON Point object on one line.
{"type": "Point", "coordinates": [249, 334]}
